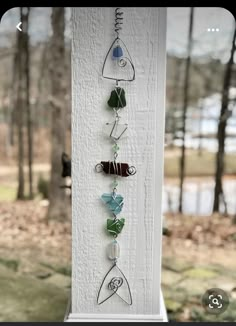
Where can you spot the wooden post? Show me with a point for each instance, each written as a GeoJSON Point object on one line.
{"type": "Point", "coordinates": [144, 32]}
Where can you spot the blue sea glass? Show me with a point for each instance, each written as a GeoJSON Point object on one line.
{"type": "Point", "coordinates": [114, 202]}
{"type": "Point", "coordinates": [117, 52]}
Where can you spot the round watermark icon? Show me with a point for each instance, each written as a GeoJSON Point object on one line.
{"type": "Point", "coordinates": [215, 301]}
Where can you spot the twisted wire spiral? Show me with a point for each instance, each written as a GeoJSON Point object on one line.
{"type": "Point", "coordinates": [115, 283]}
{"type": "Point", "coordinates": [118, 20]}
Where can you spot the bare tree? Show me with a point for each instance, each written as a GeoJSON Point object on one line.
{"type": "Point", "coordinates": [42, 80]}
{"type": "Point", "coordinates": [185, 106]}
{"type": "Point", "coordinates": [27, 102]}
{"type": "Point", "coordinates": [19, 116]}
{"type": "Point", "coordinates": [207, 78]}
{"type": "Point", "coordinates": [58, 207]}
{"type": "Point", "coordinates": [174, 100]}
{"type": "Point", "coordinates": [12, 119]}
{"type": "Point", "coordinates": [22, 93]}
{"type": "Point", "coordinates": [221, 134]}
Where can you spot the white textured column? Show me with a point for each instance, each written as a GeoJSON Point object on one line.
{"type": "Point", "coordinates": [144, 32]}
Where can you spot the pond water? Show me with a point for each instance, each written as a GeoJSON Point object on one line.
{"type": "Point", "coordinates": [198, 196]}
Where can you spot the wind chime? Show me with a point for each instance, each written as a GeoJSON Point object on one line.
{"type": "Point", "coordinates": [120, 61]}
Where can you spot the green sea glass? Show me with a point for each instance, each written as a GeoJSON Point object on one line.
{"type": "Point", "coordinates": [115, 226]}
{"type": "Point", "coordinates": [117, 98]}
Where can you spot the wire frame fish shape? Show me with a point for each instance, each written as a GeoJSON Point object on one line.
{"type": "Point", "coordinates": [114, 283]}
{"type": "Point", "coordinates": [117, 50]}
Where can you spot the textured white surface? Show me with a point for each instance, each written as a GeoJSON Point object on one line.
{"type": "Point", "coordinates": [140, 241]}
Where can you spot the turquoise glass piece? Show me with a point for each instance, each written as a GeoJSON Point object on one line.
{"type": "Point", "coordinates": [114, 202]}
{"type": "Point", "coordinates": [117, 52]}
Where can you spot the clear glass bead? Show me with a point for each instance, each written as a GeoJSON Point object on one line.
{"type": "Point", "coordinates": [114, 250]}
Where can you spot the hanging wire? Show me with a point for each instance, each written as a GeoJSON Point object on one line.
{"type": "Point", "coordinates": [118, 21]}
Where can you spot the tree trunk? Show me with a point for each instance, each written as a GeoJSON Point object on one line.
{"type": "Point", "coordinates": [212, 74]}
{"type": "Point", "coordinates": [40, 83]}
{"type": "Point", "coordinates": [13, 113]}
{"type": "Point", "coordinates": [21, 98]}
{"type": "Point", "coordinates": [185, 106]}
{"type": "Point", "coordinates": [175, 101]}
{"type": "Point", "coordinates": [59, 202]}
{"type": "Point", "coordinates": [201, 107]}
{"type": "Point", "coordinates": [218, 192]}
{"type": "Point", "coordinates": [27, 103]}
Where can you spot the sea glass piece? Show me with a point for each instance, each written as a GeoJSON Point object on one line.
{"type": "Point", "coordinates": [117, 52]}
{"type": "Point", "coordinates": [115, 130]}
{"type": "Point", "coordinates": [114, 202]}
{"type": "Point", "coordinates": [117, 98]}
{"type": "Point", "coordinates": [115, 226]}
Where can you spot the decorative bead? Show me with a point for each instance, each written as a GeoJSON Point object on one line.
{"type": "Point", "coordinates": [114, 202]}
{"type": "Point", "coordinates": [115, 148]}
{"type": "Point", "coordinates": [117, 98]}
{"type": "Point", "coordinates": [114, 184]}
{"type": "Point", "coordinates": [116, 168]}
{"type": "Point", "coordinates": [115, 226]}
{"type": "Point", "coordinates": [114, 250]}
{"type": "Point", "coordinates": [117, 52]}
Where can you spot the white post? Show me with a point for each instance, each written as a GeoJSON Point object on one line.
{"type": "Point", "coordinates": [144, 32]}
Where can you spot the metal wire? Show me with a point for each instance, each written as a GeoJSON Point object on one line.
{"type": "Point", "coordinates": [118, 91]}
{"type": "Point", "coordinates": [118, 21]}
{"type": "Point", "coordinates": [131, 170]}
{"type": "Point", "coordinates": [114, 285]}
{"type": "Point", "coordinates": [99, 167]}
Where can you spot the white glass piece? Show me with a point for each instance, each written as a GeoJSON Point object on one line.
{"type": "Point", "coordinates": [115, 129]}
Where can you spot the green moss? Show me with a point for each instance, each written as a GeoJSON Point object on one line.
{"type": "Point", "coordinates": [172, 306]}
{"type": "Point", "coordinates": [7, 193]}
{"type": "Point", "coordinates": [64, 270]}
{"type": "Point", "coordinates": [10, 263]}
{"type": "Point", "coordinates": [200, 314]}
{"type": "Point", "coordinates": [201, 273]}
{"type": "Point", "coordinates": [27, 299]}
{"type": "Point", "coordinates": [175, 294]}
{"type": "Point", "coordinates": [175, 264]}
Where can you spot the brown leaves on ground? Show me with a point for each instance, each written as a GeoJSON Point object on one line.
{"type": "Point", "coordinates": [23, 226]}
{"type": "Point", "coordinates": [201, 240]}
{"type": "Point", "coordinates": [215, 230]}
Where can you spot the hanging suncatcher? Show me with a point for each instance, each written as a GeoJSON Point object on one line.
{"type": "Point", "coordinates": [120, 62]}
